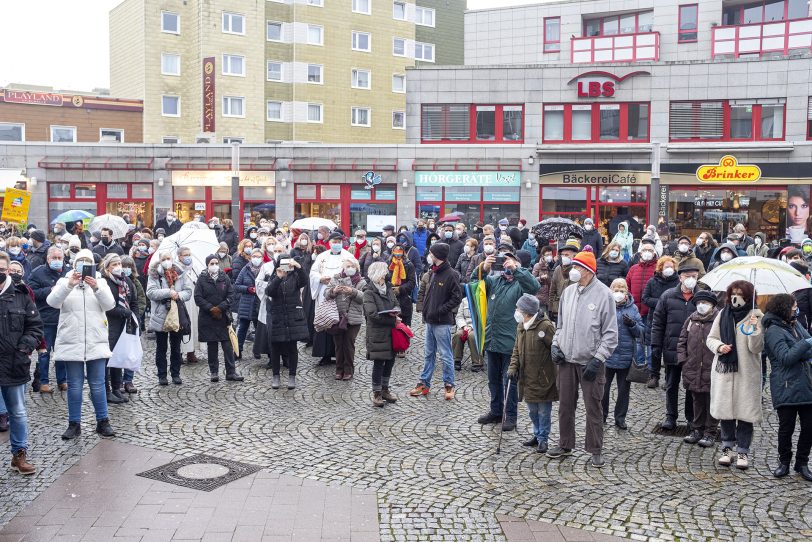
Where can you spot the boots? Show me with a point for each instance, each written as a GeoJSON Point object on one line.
{"type": "Point", "coordinates": [191, 357]}
{"type": "Point", "coordinates": [21, 464]}
{"type": "Point", "coordinates": [112, 399]}
{"type": "Point", "coordinates": [104, 429]}
{"type": "Point", "coordinates": [275, 381]}
{"type": "Point", "coordinates": [388, 396]}
{"type": "Point", "coordinates": [377, 400]}
{"type": "Point", "coordinates": [121, 396]}
{"type": "Point", "coordinates": [292, 382]}
{"type": "Point", "coordinates": [73, 431]}
{"type": "Point", "coordinates": [653, 382]}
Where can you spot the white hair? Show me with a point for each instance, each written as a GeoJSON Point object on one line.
{"type": "Point", "coordinates": [377, 271]}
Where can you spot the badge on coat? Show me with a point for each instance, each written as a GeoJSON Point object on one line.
{"type": "Point", "coordinates": [591, 306]}
{"type": "Point", "coordinates": [541, 334]}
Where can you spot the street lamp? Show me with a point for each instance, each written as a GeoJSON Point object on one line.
{"type": "Point", "coordinates": [235, 186]}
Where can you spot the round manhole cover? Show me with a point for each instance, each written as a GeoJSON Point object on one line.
{"type": "Point", "coordinates": [202, 471]}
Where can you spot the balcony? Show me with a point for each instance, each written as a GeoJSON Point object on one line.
{"type": "Point", "coordinates": [618, 48]}
{"type": "Point", "coordinates": [762, 38]}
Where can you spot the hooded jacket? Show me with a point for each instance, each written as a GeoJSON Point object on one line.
{"type": "Point", "coordinates": [626, 241]}
{"type": "Point", "coordinates": [762, 247]}
{"type": "Point", "coordinates": [420, 237]}
{"type": "Point", "coordinates": [629, 344]}
{"type": "Point", "coordinates": [21, 330]}
{"type": "Point", "coordinates": [789, 353]}
{"type": "Point", "coordinates": [716, 260]}
{"type": "Point", "coordinates": [405, 239]}
{"type": "Point", "coordinates": [693, 353]}
{"type": "Point", "coordinates": [500, 327]}
{"type": "Point", "coordinates": [593, 238]}
{"type": "Point", "coordinates": [587, 323]}
{"type": "Point", "coordinates": [532, 360]}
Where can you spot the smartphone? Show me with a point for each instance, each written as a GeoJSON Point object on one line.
{"type": "Point", "coordinates": [87, 271]}
{"type": "Point", "coordinates": [499, 264]}
{"type": "Point", "coordinates": [284, 265]}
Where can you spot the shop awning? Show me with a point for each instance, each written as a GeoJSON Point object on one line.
{"type": "Point", "coordinates": [220, 164]}
{"type": "Point", "coordinates": [465, 164]}
{"type": "Point", "coordinates": [339, 164]}
{"type": "Point", "coordinates": [80, 162]}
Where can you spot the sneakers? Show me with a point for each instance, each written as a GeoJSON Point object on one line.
{"type": "Point", "coordinates": [742, 463]}
{"type": "Point", "coordinates": [275, 381]}
{"type": "Point", "coordinates": [21, 464]}
{"type": "Point", "coordinates": [45, 388]}
{"type": "Point", "coordinates": [693, 438]}
{"type": "Point", "coordinates": [706, 441]}
{"type": "Point", "coordinates": [542, 448]}
{"type": "Point", "coordinates": [598, 461]}
{"type": "Point", "coordinates": [74, 430]}
{"type": "Point", "coordinates": [377, 400]}
{"type": "Point", "coordinates": [653, 382]}
{"type": "Point", "coordinates": [235, 378]}
{"type": "Point", "coordinates": [292, 382]}
{"type": "Point", "coordinates": [420, 389]}
{"type": "Point", "coordinates": [104, 429]}
{"type": "Point", "coordinates": [388, 396]}
{"type": "Point", "coordinates": [449, 392]}
{"type": "Point", "coordinates": [489, 418]}
{"type": "Point", "coordinates": [3, 423]}
{"type": "Point", "coordinates": [557, 452]}
{"type": "Point", "coordinates": [726, 459]}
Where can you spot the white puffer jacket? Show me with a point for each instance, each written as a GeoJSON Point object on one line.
{"type": "Point", "coordinates": [82, 331]}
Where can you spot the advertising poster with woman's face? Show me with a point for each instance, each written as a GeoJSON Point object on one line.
{"type": "Point", "coordinates": [798, 213]}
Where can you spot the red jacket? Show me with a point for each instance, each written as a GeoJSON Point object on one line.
{"type": "Point", "coordinates": [636, 279]}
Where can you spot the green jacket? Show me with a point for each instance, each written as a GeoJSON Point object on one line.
{"type": "Point", "coordinates": [532, 361]}
{"type": "Point", "coordinates": [500, 327]}
{"type": "Point", "coordinates": [141, 297]}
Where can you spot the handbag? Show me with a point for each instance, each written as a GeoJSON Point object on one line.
{"type": "Point", "coordinates": [128, 352]}
{"type": "Point", "coordinates": [340, 327]}
{"type": "Point", "coordinates": [401, 337]}
{"type": "Point", "coordinates": [235, 344]}
{"type": "Point", "coordinates": [184, 320]}
{"type": "Point", "coordinates": [326, 315]}
{"type": "Point", "coordinates": [638, 372]}
{"type": "Point", "coordinates": [172, 322]}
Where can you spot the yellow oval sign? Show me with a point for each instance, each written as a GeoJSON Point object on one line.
{"type": "Point", "coordinates": [728, 171]}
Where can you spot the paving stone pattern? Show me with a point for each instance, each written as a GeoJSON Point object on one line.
{"type": "Point", "coordinates": [433, 467]}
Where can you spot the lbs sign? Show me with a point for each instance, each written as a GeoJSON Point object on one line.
{"type": "Point", "coordinates": [596, 89]}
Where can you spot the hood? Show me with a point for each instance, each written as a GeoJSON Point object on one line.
{"type": "Point", "coordinates": [729, 246]}
{"type": "Point", "coordinates": [771, 319]}
{"type": "Point", "coordinates": [625, 225]}
{"type": "Point", "coordinates": [407, 235]}
{"type": "Point", "coordinates": [764, 237]}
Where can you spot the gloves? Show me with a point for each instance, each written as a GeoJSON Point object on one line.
{"type": "Point", "coordinates": [252, 290]}
{"type": "Point", "coordinates": [216, 313]}
{"type": "Point", "coordinates": [591, 369]}
{"type": "Point", "coordinates": [512, 373]}
{"type": "Point", "coordinates": [628, 320]}
{"type": "Point", "coordinates": [557, 355]}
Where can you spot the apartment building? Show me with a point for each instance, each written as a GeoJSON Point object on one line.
{"type": "Point", "coordinates": [257, 71]}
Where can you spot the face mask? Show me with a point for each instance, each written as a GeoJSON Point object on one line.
{"type": "Point", "coordinates": [619, 297]}
{"type": "Point", "coordinates": [566, 260]}
{"type": "Point", "coordinates": [143, 248]}
{"type": "Point", "coordinates": [703, 308]}
{"type": "Point", "coordinates": [170, 219]}
{"type": "Point", "coordinates": [690, 283]}
{"type": "Point", "coordinates": [106, 240]}
{"type": "Point", "coordinates": [574, 275]}
{"type": "Point", "coordinates": [460, 233]}
{"type": "Point", "coordinates": [252, 235]}
{"type": "Point", "coordinates": [376, 248]}
{"type": "Point", "coordinates": [502, 227]}
{"type": "Point", "coordinates": [213, 269]}
{"type": "Point", "coordinates": [128, 272]}
{"type": "Point", "coordinates": [466, 249]}
{"type": "Point", "coordinates": [256, 262]}
{"type": "Point", "coordinates": [668, 272]}
{"type": "Point", "coordinates": [737, 301]}
{"type": "Point", "coordinates": [320, 237]}
{"type": "Point", "coordinates": [613, 254]}
{"type": "Point", "coordinates": [117, 271]}
{"type": "Point", "coordinates": [166, 264]}
{"type": "Point", "coordinates": [187, 260]}
{"type": "Point", "coordinates": [313, 257]}
{"type": "Point", "coordinates": [699, 242]}
{"type": "Point", "coordinates": [16, 277]}
{"type": "Point", "coordinates": [335, 247]}
{"type": "Point", "coordinates": [161, 237]}
{"type": "Point", "coordinates": [488, 249]}
{"type": "Point", "coordinates": [151, 250]}
{"type": "Point", "coordinates": [222, 254]}
{"type": "Point", "coordinates": [532, 242]}
{"type": "Point", "coordinates": [360, 240]}
{"type": "Point", "coordinates": [350, 271]}
{"type": "Point", "coordinates": [726, 256]}
{"type": "Point", "coordinates": [589, 227]}
{"type": "Point", "coordinates": [518, 316]}
{"type": "Point", "coordinates": [14, 250]}
{"type": "Point", "coordinates": [431, 244]}
{"type": "Point", "coordinates": [548, 258]}
{"type": "Point", "coordinates": [430, 259]}
{"type": "Point", "coordinates": [390, 245]}
{"type": "Point", "coordinates": [684, 248]}
{"type": "Point", "coordinates": [420, 227]}
{"type": "Point", "coordinates": [647, 256]}
{"type": "Point", "coordinates": [758, 242]}
{"type": "Point", "coordinates": [56, 265]}
{"type": "Point", "coordinates": [449, 234]}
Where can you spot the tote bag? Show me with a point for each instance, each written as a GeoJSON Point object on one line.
{"type": "Point", "coordinates": [128, 352]}
{"type": "Point", "coordinates": [638, 370]}
{"type": "Point", "coordinates": [235, 344]}
{"type": "Point", "coordinates": [172, 321]}
{"type": "Point", "coordinates": [326, 315]}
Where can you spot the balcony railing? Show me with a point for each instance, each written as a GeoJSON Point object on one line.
{"type": "Point", "coordinates": [757, 39]}
{"type": "Point", "coordinates": [620, 48]}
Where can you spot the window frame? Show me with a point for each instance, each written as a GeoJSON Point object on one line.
{"type": "Point", "coordinates": [355, 108]}
{"type": "Point", "coordinates": [499, 136]}
{"type": "Point", "coordinates": [267, 71]}
{"type": "Point", "coordinates": [51, 133]}
{"type": "Point", "coordinates": [354, 8]}
{"type": "Point", "coordinates": [405, 15]}
{"type": "Point", "coordinates": [726, 121]}
{"type": "Point", "coordinates": [230, 15]}
{"type": "Point", "coordinates": [355, 33]}
{"type": "Point", "coordinates": [546, 42]}
{"type": "Point", "coordinates": [119, 130]}
{"type": "Point", "coordinates": [763, 4]}
{"type": "Point", "coordinates": [403, 114]}
{"type": "Point", "coordinates": [422, 45]}
{"type": "Point", "coordinates": [424, 9]}
{"type": "Point", "coordinates": [22, 131]}
{"type": "Point", "coordinates": [353, 78]}
{"type": "Point", "coordinates": [405, 44]}
{"type": "Point", "coordinates": [595, 108]}
{"type": "Point", "coordinates": [177, 55]}
{"type": "Point", "coordinates": [403, 76]}
{"type": "Point", "coordinates": [321, 74]}
{"type": "Point", "coordinates": [229, 98]}
{"type": "Point", "coordinates": [230, 140]}
{"type": "Point", "coordinates": [224, 64]}
{"type": "Point", "coordinates": [177, 19]}
{"type": "Point", "coordinates": [321, 113]}
{"type": "Point", "coordinates": [321, 35]}
{"type": "Point", "coordinates": [680, 31]}
{"type": "Point", "coordinates": [177, 97]}
{"type": "Point", "coordinates": [618, 17]}
{"type": "Point", "coordinates": [281, 31]}
{"type": "Point", "coordinates": [268, 117]}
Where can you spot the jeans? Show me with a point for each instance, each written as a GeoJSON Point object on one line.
{"type": "Point", "coordinates": [95, 380]}
{"type": "Point", "coordinates": [381, 371]}
{"type": "Point", "coordinates": [14, 399]}
{"type": "Point", "coordinates": [541, 416]}
{"type": "Point", "coordinates": [128, 376]}
{"type": "Point", "coordinates": [623, 389]}
{"type": "Point", "coordinates": [497, 382]}
{"type": "Point", "coordinates": [161, 340]}
{"type": "Point", "coordinates": [45, 358]}
{"type": "Point", "coordinates": [438, 341]}
{"type": "Point", "coordinates": [736, 432]}
{"type": "Point", "coordinates": [786, 427]}
{"type": "Point", "coordinates": [242, 331]}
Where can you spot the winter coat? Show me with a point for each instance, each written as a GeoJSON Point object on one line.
{"type": "Point", "coordinates": [737, 396]}
{"type": "Point", "coordinates": [532, 361]}
{"type": "Point", "coordinates": [41, 281]}
{"type": "Point", "coordinates": [359, 252]}
{"type": "Point", "coordinates": [693, 353]}
{"type": "Point", "coordinates": [666, 325]}
{"type": "Point", "coordinates": [762, 249]}
{"type": "Point", "coordinates": [463, 263]}
{"type": "Point", "coordinates": [419, 238]}
{"type": "Point", "coordinates": [625, 240]}
{"type": "Point", "coordinates": [790, 353]}
{"type": "Point", "coordinates": [288, 322]}
{"type": "Point", "coordinates": [443, 296]}
{"type": "Point", "coordinates": [158, 294]}
{"type": "Point", "coordinates": [229, 237]}
{"type": "Point", "coordinates": [533, 250]}
{"type": "Point", "coordinates": [411, 253]}
{"type": "Point", "coordinates": [558, 284]}
{"type": "Point", "coordinates": [169, 229]}
{"type": "Point", "coordinates": [379, 326]}
{"type": "Point", "coordinates": [636, 279]}
{"type": "Point", "coordinates": [247, 303]}
{"type": "Point", "coordinates": [210, 293]}
{"type": "Point", "coordinates": [542, 273]}
{"type": "Point", "coordinates": [421, 292]}
{"type": "Point", "coordinates": [118, 317]}
{"type": "Point", "coordinates": [593, 238]}
{"type": "Point", "coordinates": [37, 256]}
{"type": "Point", "coordinates": [369, 258]}
{"type": "Point", "coordinates": [628, 338]}
{"type": "Point", "coordinates": [456, 249]}
{"type": "Point", "coordinates": [716, 260]}
{"type": "Point", "coordinates": [103, 250]}
{"type": "Point", "coordinates": [351, 305]}
{"type": "Point", "coordinates": [82, 334]}
{"type": "Point", "coordinates": [691, 259]}
{"type": "Point", "coordinates": [21, 331]}
{"type": "Point", "coordinates": [238, 262]}
{"type": "Point", "coordinates": [609, 271]}
{"type": "Point", "coordinates": [500, 327]}
{"type": "Point", "coordinates": [587, 323]}
{"type": "Point", "coordinates": [140, 298]}
{"type": "Point", "coordinates": [655, 288]}
{"type": "Point", "coordinates": [704, 254]}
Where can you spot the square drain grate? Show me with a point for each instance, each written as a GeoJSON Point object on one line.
{"type": "Point", "coordinates": [202, 472]}
{"type": "Point", "coordinates": [682, 430]}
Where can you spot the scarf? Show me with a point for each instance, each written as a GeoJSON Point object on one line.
{"type": "Point", "coordinates": [357, 250]}
{"type": "Point", "coordinates": [355, 279]}
{"type": "Point", "coordinates": [123, 291]}
{"type": "Point", "coordinates": [729, 363]}
{"type": "Point", "coordinates": [380, 287]}
{"type": "Point", "coordinates": [171, 276]}
{"type": "Point", "coordinates": [398, 270]}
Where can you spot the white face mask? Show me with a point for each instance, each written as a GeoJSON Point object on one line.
{"type": "Point", "coordinates": [566, 260]}
{"type": "Point", "coordinates": [350, 271]}
{"type": "Point", "coordinates": [613, 254]}
{"type": "Point", "coordinates": [376, 248]}
{"type": "Point", "coordinates": [166, 264]}
{"type": "Point", "coordinates": [390, 245]}
{"type": "Point", "coordinates": [548, 258]}
{"type": "Point", "coordinates": [303, 242]}
{"type": "Point", "coordinates": [14, 250]}
{"type": "Point", "coordinates": [467, 249]}
{"type": "Point", "coordinates": [574, 275]}
{"type": "Point", "coordinates": [699, 242]}
{"type": "Point", "coordinates": [502, 227]}
{"type": "Point", "coordinates": [684, 248]}
{"type": "Point", "coordinates": [429, 259]}
{"type": "Point", "coordinates": [647, 256]}
{"type": "Point", "coordinates": [531, 235]}
{"type": "Point", "coordinates": [757, 241]}
{"type": "Point", "coordinates": [619, 297]}
{"type": "Point", "coordinates": [518, 316]}
{"type": "Point", "coordinates": [117, 271]}
{"type": "Point", "coordinates": [588, 227]}
{"type": "Point", "coordinates": [213, 269]}
{"type": "Point", "coordinates": [737, 301]}
{"type": "Point", "coordinates": [668, 272]}
{"type": "Point", "coordinates": [703, 308]}
{"type": "Point", "coordinates": [256, 262]}
{"type": "Point", "coordinates": [726, 256]}
{"type": "Point", "coordinates": [690, 283]}
{"type": "Point", "coordinates": [488, 249]}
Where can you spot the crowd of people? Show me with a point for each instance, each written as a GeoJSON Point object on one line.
{"type": "Point", "coordinates": [562, 318]}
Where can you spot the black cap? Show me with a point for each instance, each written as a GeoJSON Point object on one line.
{"type": "Point", "coordinates": [335, 235]}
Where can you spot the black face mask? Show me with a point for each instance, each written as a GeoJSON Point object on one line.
{"type": "Point", "coordinates": [2, 276]}
{"type": "Point", "coordinates": [17, 278]}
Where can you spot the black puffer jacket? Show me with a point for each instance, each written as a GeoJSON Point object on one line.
{"type": "Point", "coordinates": [211, 293]}
{"type": "Point", "coordinates": [655, 287]}
{"type": "Point", "coordinates": [229, 237]}
{"type": "Point", "coordinates": [119, 316]}
{"type": "Point", "coordinates": [379, 326]}
{"type": "Point", "coordinates": [609, 271]}
{"type": "Point", "coordinates": [42, 279]}
{"type": "Point", "coordinates": [287, 315]}
{"type": "Point", "coordinates": [669, 316]}
{"type": "Point", "coordinates": [20, 334]}
{"type": "Point", "coordinates": [443, 296]}
{"type": "Point", "coordinates": [594, 239]}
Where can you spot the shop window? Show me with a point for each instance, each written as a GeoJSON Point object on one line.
{"type": "Point", "coordinates": [306, 191]}
{"type": "Point", "coordinates": [221, 193]}
{"type": "Point", "coordinates": [631, 23]}
{"type": "Point", "coordinates": [12, 132]}
{"type": "Point", "coordinates": [596, 123]}
{"type": "Point", "coordinates": [688, 17]}
{"type": "Point", "coordinates": [623, 194]}
{"type": "Point", "coordinates": [329, 191]}
{"type": "Point", "coordinates": [563, 200]}
{"type": "Point", "coordinates": [748, 120]}
{"type": "Point", "coordinates": [59, 190]}
{"type": "Point", "coordinates": [552, 34]}
{"type": "Point", "coordinates": [474, 124]}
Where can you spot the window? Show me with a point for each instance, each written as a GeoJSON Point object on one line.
{"type": "Point", "coordinates": [361, 41]}
{"type": "Point", "coordinates": [63, 134]}
{"type": "Point", "coordinates": [472, 123]}
{"type": "Point", "coordinates": [231, 140]}
{"type": "Point", "coordinates": [170, 22]}
{"type": "Point", "coordinates": [772, 121]}
{"type": "Point", "coordinates": [765, 11]}
{"type": "Point", "coordinates": [170, 140]}
{"type": "Point", "coordinates": [233, 106]}
{"type": "Point", "coordinates": [110, 135]}
{"type": "Point", "coordinates": [752, 120]}
{"type": "Point", "coordinates": [485, 122]}
{"type": "Point", "coordinates": [631, 23]}
{"type": "Point", "coordinates": [361, 6]}
{"type": "Point", "coordinates": [399, 11]}
{"type": "Point", "coordinates": [424, 51]}
{"type": "Point", "coordinates": [314, 72]}
{"type": "Point", "coordinates": [170, 64]}
{"type": "Point", "coordinates": [445, 123]}
{"type": "Point", "coordinates": [316, 3]}
{"type": "Point", "coordinates": [233, 65]}
{"type": "Point", "coordinates": [688, 23]}
{"type": "Point", "coordinates": [274, 111]}
{"type": "Point", "coordinates": [512, 129]}
{"type": "Point", "coordinates": [398, 47]}
{"type": "Point", "coordinates": [314, 112]}
{"type": "Point", "coordinates": [274, 31]}
{"type": "Point", "coordinates": [361, 79]}
{"type": "Point", "coordinates": [233, 23]}
{"type": "Point", "coordinates": [808, 121]}
{"type": "Point", "coordinates": [315, 34]}
{"type": "Point", "coordinates": [741, 121]}
{"type": "Point", "coordinates": [274, 70]}
{"type": "Point", "coordinates": [552, 34]}
{"type": "Point", "coordinates": [12, 132]}
{"type": "Point", "coordinates": [398, 83]}
{"type": "Point", "coordinates": [398, 120]}
{"type": "Point", "coordinates": [424, 16]}
{"type": "Point", "coordinates": [361, 116]}
{"type": "Point", "coordinates": [170, 106]}
{"type": "Point", "coordinates": [595, 123]}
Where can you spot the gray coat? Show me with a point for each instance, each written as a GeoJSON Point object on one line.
{"type": "Point", "coordinates": [351, 305]}
{"type": "Point", "coordinates": [158, 293]}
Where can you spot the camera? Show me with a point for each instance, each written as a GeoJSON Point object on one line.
{"type": "Point", "coordinates": [499, 264]}
{"type": "Point", "coordinates": [284, 265]}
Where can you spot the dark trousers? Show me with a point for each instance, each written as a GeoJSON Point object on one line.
{"type": "Point", "coordinates": [113, 377]}
{"type": "Point", "coordinates": [738, 433]}
{"type": "Point", "coordinates": [703, 421]}
{"type": "Point", "coordinates": [172, 340]}
{"type": "Point", "coordinates": [242, 332]}
{"type": "Point", "coordinates": [345, 349]}
{"type": "Point", "coordinates": [786, 427]}
{"type": "Point", "coordinates": [228, 357]}
{"type": "Point", "coordinates": [673, 379]}
{"type": "Point", "coordinates": [286, 350]}
{"type": "Point", "coordinates": [570, 378]}
{"type": "Point", "coordinates": [406, 309]}
{"type": "Point", "coordinates": [623, 389]}
{"type": "Point", "coordinates": [656, 364]}
{"type": "Point", "coordinates": [381, 371]}
{"type": "Point", "coordinates": [497, 382]}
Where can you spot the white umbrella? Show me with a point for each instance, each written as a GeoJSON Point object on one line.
{"type": "Point", "coordinates": [112, 222]}
{"type": "Point", "coordinates": [313, 223]}
{"type": "Point", "coordinates": [769, 276]}
{"type": "Point", "coordinates": [201, 242]}
{"type": "Point", "coordinates": [195, 225]}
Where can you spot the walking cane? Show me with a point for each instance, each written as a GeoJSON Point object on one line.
{"type": "Point", "coordinates": [504, 416]}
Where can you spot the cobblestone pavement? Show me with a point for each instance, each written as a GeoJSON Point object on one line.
{"type": "Point", "coordinates": [434, 468]}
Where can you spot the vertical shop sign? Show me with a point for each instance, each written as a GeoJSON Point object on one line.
{"type": "Point", "coordinates": [663, 209]}
{"type": "Point", "coordinates": [208, 94]}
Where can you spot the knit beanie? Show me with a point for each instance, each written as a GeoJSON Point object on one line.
{"type": "Point", "coordinates": [586, 260]}
{"type": "Point", "coordinates": [440, 251]}
{"type": "Point", "coordinates": [528, 304]}
{"type": "Point", "coordinates": [38, 236]}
